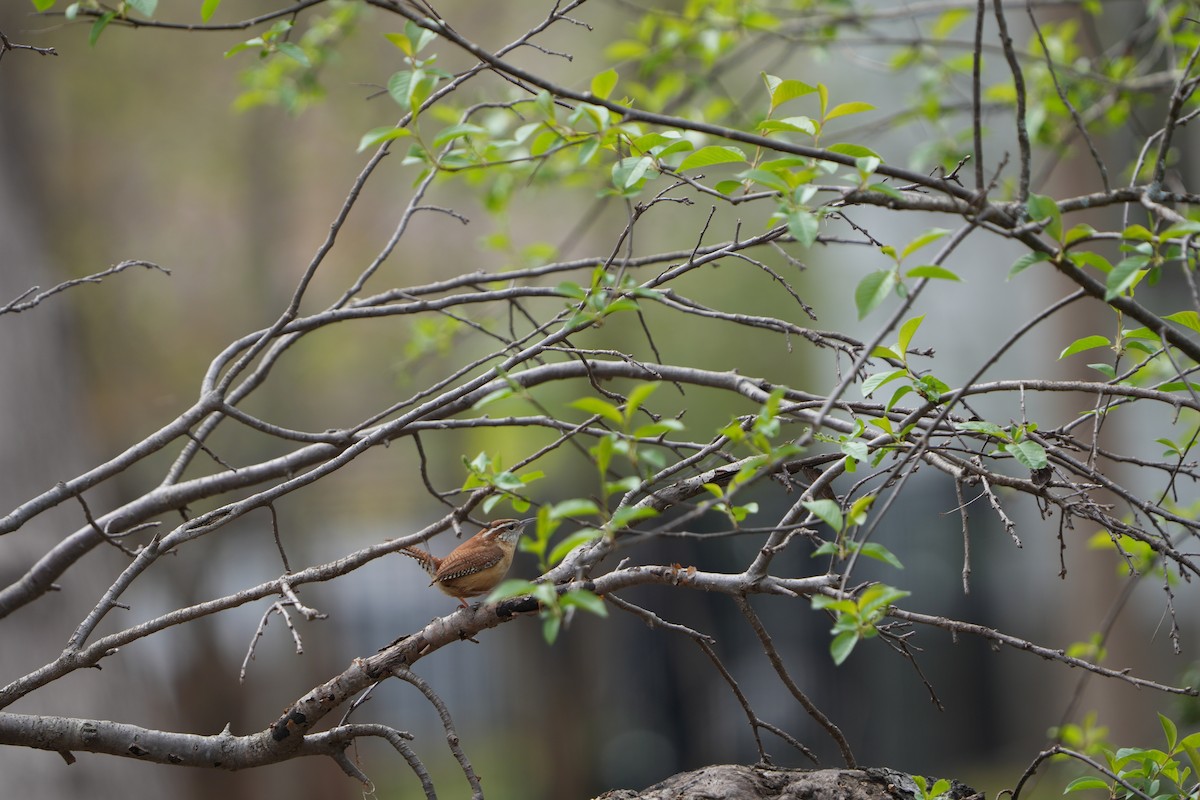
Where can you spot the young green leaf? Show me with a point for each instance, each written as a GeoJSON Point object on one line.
{"type": "Point", "coordinates": [880, 553]}
{"type": "Point", "coordinates": [577, 507]}
{"type": "Point", "coordinates": [1079, 784]}
{"type": "Point", "coordinates": [377, 136]}
{"type": "Point", "coordinates": [603, 84]}
{"type": "Point", "coordinates": [873, 290]}
{"type": "Point", "coordinates": [1124, 275]}
{"type": "Point", "coordinates": [551, 625]}
{"type": "Point", "coordinates": [711, 155]}
{"type": "Point", "coordinates": [1189, 319]}
{"type": "Point", "coordinates": [827, 511]}
{"type": "Point", "coordinates": [1026, 261]}
{"type": "Point", "coordinates": [1031, 454]}
{"type": "Point", "coordinates": [879, 379]}
{"type": "Point", "coordinates": [782, 90]}
{"type": "Point", "coordinates": [594, 405]}
{"type": "Point", "coordinates": [907, 330]}
{"type": "Point", "coordinates": [854, 150]}
{"type": "Point", "coordinates": [637, 397]}
{"type": "Point", "coordinates": [509, 589]}
{"type": "Point", "coordinates": [803, 226]}
{"type": "Point", "coordinates": [1086, 343]}
{"type": "Point", "coordinates": [99, 25]}
{"type": "Point", "coordinates": [580, 537]}
{"type": "Point", "coordinates": [842, 645]}
{"type": "Point", "coordinates": [932, 271]}
{"type": "Point", "coordinates": [1041, 207]}
{"type": "Point", "coordinates": [922, 239]}
{"type": "Point", "coordinates": [583, 599]}
{"type": "Point", "coordinates": [845, 109]}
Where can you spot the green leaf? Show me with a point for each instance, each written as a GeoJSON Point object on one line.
{"type": "Point", "coordinates": [858, 511]}
{"type": "Point", "coordinates": [828, 511]}
{"type": "Point", "coordinates": [845, 109]}
{"type": "Point", "coordinates": [1031, 454]}
{"type": "Point", "coordinates": [577, 507]}
{"type": "Point", "coordinates": [856, 450]}
{"type": "Point", "coordinates": [580, 537]}
{"type": "Point", "coordinates": [782, 90]}
{"type": "Point", "coordinates": [509, 589]}
{"type": "Point", "coordinates": [854, 151]}
{"type": "Point", "coordinates": [932, 271]}
{"type": "Point", "coordinates": [803, 226]}
{"type": "Point", "coordinates": [377, 136]}
{"type": "Point", "coordinates": [799, 124]}
{"type": "Point", "coordinates": [1086, 343]}
{"type": "Point", "coordinates": [208, 8]}
{"type": "Point", "coordinates": [931, 235]}
{"type": "Point", "coordinates": [1026, 261]}
{"type": "Point", "coordinates": [1189, 319]}
{"type": "Point", "coordinates": [866, 166]}
{"type": "Point", "coordinates": [146, 7]}
{"type": "Point", "coordinates": [947, 21]}
{"type": "Point", "coordinates": [449, 134]}
{"type": "Point", "coordinates": [626, 515]}
{"type": "Point", "coordinates": [99, 25]}
{"type": "Point", "coordinates": [711, 155]}
{"type": "Point", "coordinates": [763, 177]}
{"type": "Point", "coordinates": [880, 553]}
{"type": "Point", "coordinates": [296, 53]}
{"type": "Point", "coordinates": [907, 330]}
{"type": "Point", "coordinates": [873, 382]}
{"type": "Point", "coordinates": [594, 405]}
{"type": "Point", "coordinates": [402, 42]}
{"type": "Point", "coordinates": [572, 290]}
{"type": "Point", "coordinates": [551, 624]}
{"type": "Point", "coordinates": [1040, 207]}
{"type": "Point", "coordinates": [873, 290]}
{"type": "Point", "coordinates": [628, 171]}
{"type": "Point", "coordinates": [603, 84]}
{"type": "Point", "coordinates": [1169, 730]}
{"type": "Point", "coordinates": [658, 428]}
{"type": "Point", "coordinates": [43, 5]}
{"type": "Point", "coordinates": [1177, 231]}
{"type": "Point", "coordinates": [588, 601]}
{"type": "Point", "coordinates": [1123, 276]}
{"type": "Point", "coordinates": [876, 599]}
{"type": "Point", "coordinates": [1139, 233]}
{"type": "Point", "coordinates": [637, 397]}
{"type": "Point", "coordinates": [401, 86]}
{"type": "Point", "coordinates": [885, 189]}
{"type": "Point", "coordinates": [842, 645]}
{"type": "Point", "coordinates": [1079, 232]}
{"type": "Point", "coordinates": [492, 396]}
{"type": "Point", "coordinates": [1079, 784]}
{"type": "Point", "coordinates": [820, 601]}
{"type": "Point", "coordinates": [1086, 258]}
{"type": "Point", "coordinates": [897, 395]}
{"type": "Point", "coordinates": [989, 428]}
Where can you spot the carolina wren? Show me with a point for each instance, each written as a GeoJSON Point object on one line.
{"type": "Point", "coordinates": [477, 565]}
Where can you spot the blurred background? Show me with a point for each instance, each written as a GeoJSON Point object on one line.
{"type": "Point", "coordinates": [137, 148]}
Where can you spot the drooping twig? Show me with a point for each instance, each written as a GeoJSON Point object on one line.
{"type": "Point", "coordinates": [405, 674]}
{"type": "Point", "coordinates": [20, 303]}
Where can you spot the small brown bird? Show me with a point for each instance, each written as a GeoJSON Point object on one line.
{"type": "Point", "coordinates": [477, 565]}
